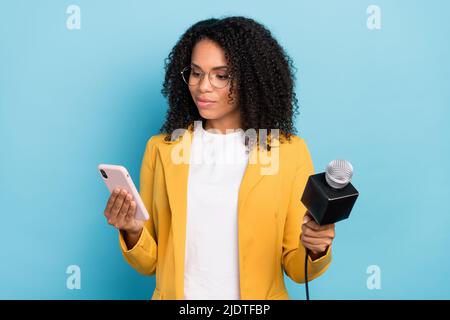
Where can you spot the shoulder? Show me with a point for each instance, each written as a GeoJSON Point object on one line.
{"type": "Point", "coordinates": [294, 153]}
{"type": "Point", "coordinates": [156, 140]}
{"type": "Point", "coordinates": [167, 138]}
{"type": "Point", "coordinates": [151, 147]}
{"type": "Point", "coordinates": [295, 144]}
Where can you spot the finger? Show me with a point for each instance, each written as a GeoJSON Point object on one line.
{"type": "Point", "coordinates": [314, 225]}
{"type": "Point", "coordinates": [131, 211]}
{"type": "Point", "coordinates": [117, 205]}
{"type": "Point", "coordinates": [317, 234]}
{"type": "Point", "coordinates": [123, 211]}
{"type": "Point", "coordinates": [110, 202]}
{"type": "Point", "coordinates": [318, 249]}
{"type": "Point", "coordinates": [311, 246]}
{"type": "Point", "coordinates": [307, 217]}
{"type": "Point", "coordinates": [317, 241]}
{"type": "Point", "coordinates": [311, 241]}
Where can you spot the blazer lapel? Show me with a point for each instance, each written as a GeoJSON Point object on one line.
{"type": "Point", "coordinates": [176, 178]}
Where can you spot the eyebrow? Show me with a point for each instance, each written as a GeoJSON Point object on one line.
{"type": "Point", "coordinates": [219, 67]}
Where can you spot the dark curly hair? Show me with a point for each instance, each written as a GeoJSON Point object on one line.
{"type": "Point", "coordinates": [262, 73]}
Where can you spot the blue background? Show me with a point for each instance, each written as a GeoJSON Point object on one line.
{"type": "Point", "coordinates": [71, 99]}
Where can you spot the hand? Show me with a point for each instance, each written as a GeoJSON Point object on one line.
{"type": "Point", "coordinates": [315, 237]}
{"type": "Point", "coordinates": [120, 212]}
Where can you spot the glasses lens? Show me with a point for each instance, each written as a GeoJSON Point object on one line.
{"type": "Point", "coordinates": [220, 79]}
{"type": "Point", "coordinates": [191, 76]}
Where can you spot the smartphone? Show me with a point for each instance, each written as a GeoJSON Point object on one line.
{"type": "Point", "coordinates": [117, 176]}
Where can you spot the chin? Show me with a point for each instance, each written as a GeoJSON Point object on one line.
{"type": "Point", "coordinates": [207, 115]}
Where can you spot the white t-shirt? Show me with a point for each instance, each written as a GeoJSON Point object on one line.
{"type": "Point", "coordinates": [217, 165]}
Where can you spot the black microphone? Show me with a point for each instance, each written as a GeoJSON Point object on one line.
{"type": "Point", "coordinates": [329, 197]}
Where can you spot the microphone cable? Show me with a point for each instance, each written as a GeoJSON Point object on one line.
{"type": "Point", "coordinates": [306, 274]}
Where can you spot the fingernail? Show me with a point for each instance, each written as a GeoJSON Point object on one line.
{"type": "Point", "coordinates": [116, 190]}
{"type": "Point", "coordinates": [305, 219]}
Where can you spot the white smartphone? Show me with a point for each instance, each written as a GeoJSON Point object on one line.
{"type": "Point", "coordinates": [117, 176]}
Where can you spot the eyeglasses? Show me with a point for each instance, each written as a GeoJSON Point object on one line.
{"type": "Point", "coordinates": [218, 78]}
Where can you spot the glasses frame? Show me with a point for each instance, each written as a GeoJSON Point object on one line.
{"type": "Point", "coordinates": [201, 78]}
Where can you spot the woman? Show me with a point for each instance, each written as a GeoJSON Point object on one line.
{"type": "Point", "coordinates": [224, 230]}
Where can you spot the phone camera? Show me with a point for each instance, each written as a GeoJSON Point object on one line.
{"type": "Point", "coordinates": [103, 173]}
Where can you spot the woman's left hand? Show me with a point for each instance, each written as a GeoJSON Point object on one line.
{"type": "Point", "coordinates": [315, 237]}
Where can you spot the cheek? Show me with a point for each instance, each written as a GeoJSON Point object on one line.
{"type": "Point", "coordinates": [192, 91]}
{"type": "Point", "coordinates": [225, 101]}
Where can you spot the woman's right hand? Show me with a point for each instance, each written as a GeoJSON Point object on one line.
{"type": "Point", "coordinates": [120, 212]}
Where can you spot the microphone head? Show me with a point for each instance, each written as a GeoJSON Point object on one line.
{"type": "Point", "coordinates": [339, 173]}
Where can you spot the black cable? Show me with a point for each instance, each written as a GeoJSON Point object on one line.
{"type": "Point", "coordinates": [306, 274]}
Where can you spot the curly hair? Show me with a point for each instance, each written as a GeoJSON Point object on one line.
{"type": "Point", "coordinates": [262, 75]}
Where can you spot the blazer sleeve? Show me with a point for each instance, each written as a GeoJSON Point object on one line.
{"type": "Point", "coordinates": [143, 256]}
{"type": "Point", "coordinates": [293, 250]}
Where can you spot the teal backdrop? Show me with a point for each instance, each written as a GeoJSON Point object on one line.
{"type": "Point", "coordinates": [73, 98]}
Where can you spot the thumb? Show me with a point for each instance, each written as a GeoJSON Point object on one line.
{"type": "Point", "coordinates": [307, 217]}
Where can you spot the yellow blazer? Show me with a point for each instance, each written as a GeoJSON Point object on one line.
{"type": "Point", "coordinates": [270, 216]}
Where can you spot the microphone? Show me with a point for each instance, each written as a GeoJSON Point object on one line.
{"type": "Point", "coordinates": [329, 197]}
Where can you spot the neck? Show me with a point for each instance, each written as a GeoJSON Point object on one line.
{"type": "Point", "coordinates": [223, 124]}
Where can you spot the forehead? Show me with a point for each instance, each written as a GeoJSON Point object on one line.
{"type": "Point", "coordinates": [208, 55]}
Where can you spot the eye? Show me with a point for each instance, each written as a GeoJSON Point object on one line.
{"type": "Point", "coordinates": [195, 73]}
{"type": "Point", "coordinates": [222, 76]}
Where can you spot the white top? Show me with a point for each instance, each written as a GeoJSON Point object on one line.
{"type": "Point", "coordinates": [218, 162]}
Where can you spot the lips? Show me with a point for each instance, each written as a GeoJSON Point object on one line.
{"type": "Point", "coordinates": [204, 100]}
{"type": "Point", "coordinates": [203, 103]}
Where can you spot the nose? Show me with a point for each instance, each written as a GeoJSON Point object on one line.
{"type": "Point", "coordinates": [204, 84]}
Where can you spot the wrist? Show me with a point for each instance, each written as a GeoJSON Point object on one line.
{"type": "Point", "coordinates": [131, 237]}
{"type": "Point", "coordinates": [317, 255]}
{"type": "Point", "coordinates": [133, 233]}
